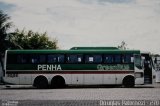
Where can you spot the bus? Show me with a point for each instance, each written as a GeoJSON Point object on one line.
{"type": "Point", "coordinates": [76, 66]}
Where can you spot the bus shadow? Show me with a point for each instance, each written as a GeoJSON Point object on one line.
{"type": "Point", "coordinates": [17, 87]}
{"type": "Point", "coordinates": [106, 86]}
{"type": "Point", "coordinates": [92, 86]}
{"type": "Point", "coordinates": [144, 87]}
{"type": "Point", "coordinates": [4, 87]}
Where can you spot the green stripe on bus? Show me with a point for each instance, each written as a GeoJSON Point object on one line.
{"type": "Point", "coordinates": [72, 66]}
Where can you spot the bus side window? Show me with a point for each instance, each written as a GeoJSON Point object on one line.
{"type": "Point", "coordinates": [80, 59]}
{"type": "Point", "coordinates": [74, 58]}
{"type": "Point", "coordinates": [127, 58]}
{"type": "Point", "coordinates": [97, 58]}
{"type": "Point", "coordinates": [51, 59]}
{"type": "Point", "coordinates": [93, 59]}
{"type": "Point", "coordinates": [34, 59]}
{"type": "Point", "coordinates": [108, 59]}
{"type": "Point", "coordinates": [60, 58]}
{"type": "Point", "coordinates": [11, 59]}
{"type": "Point", "coordinates": [21, 59]}
{"type": "Point", "coordinates": [42, 58]}
{"type": "Point", "coordinates": [117, 59]}
{"type": "Point", "coordinates": [88, 59]}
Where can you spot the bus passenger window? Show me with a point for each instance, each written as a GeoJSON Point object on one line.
{"type": "Point", "coordinates": [79, 59]}
{"type": "Point", "coordinates": [90, 59]}
{"type": "Point", "coordinates": [117, 59]}
{"type": "Point", "coordinates": [74, 58]}
{"type": "Point", "coordinates": [93, 59]}
{"type": "Point", "coordinates": [21, 59]}
{"type": "Point", "coordinates": [60, 58]}
{"type": "Point", "coordinates": [108, 59]}
{"type": "Point", "coordinates": [34, 59]}
{"type": "Point", "coordinates": [97, 58]}
{"type": "Point", "coordinates": [11, 59]}
{"type": "Point", "coordinates": [127, 58]}
{"type": "Point", "coordinates": [42, 58]}
{"type": "Point", "coordinates": [51, 59]}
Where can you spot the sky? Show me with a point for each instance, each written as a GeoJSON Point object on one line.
{"type": "Point", "coordinates": [90, 22]}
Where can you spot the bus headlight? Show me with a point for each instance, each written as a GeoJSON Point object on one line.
{"type": "Point", "coordinates": [138, 75]}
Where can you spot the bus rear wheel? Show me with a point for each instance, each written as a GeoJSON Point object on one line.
{"type": "Point", "coordinates": [57, 82]}
{"type": "Point", "coordinates": [41, 82]}
{"type": "Point", "coordinates": [129, 82]}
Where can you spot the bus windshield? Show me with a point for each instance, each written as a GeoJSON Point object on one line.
{"type": "Point", "coordinates": [137, 61]}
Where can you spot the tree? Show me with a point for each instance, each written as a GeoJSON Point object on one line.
{"type": "Point", "coordinates": [33, 40]}
{"type": "Point", "coordinates": [5, 25]}
{"type": "Point", "coordinates": [123, 45]}
{"type": "Point", "coordinates": [21, 39]}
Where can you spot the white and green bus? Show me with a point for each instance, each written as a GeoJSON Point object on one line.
{"type": "Point", "coordinates": [77, 66]}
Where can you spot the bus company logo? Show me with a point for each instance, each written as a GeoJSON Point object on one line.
{"type": "Point", "coordinates": [112, 67]}
{"type": "Point", "coordinates": [50, 67]}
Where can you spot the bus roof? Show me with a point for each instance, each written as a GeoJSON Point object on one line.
{"type": "Point", "coordinates": [94, 48]}
{"type": "Point", "coordinates": [115, 51]}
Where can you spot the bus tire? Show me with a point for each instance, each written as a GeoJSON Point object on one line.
{"type": "Point", "coordinates": [58, 82]}
{"type": "Point", "coordinates": [128, 82]}
{"type": "Point", "coordinates": [41, 82]}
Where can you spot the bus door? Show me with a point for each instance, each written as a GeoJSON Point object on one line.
{"type": "Point", "coordinates": [147, 69]}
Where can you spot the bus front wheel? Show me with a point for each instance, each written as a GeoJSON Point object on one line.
{"type": "Point", "coordinates": [129, 82]}
{"type": "Point", "coordinates": [41, 82]}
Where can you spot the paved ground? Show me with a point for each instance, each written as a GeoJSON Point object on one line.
{"type": "Point", "coordinates": [143, 92]}
{"type": "Point", "coordinates": [72, 96]}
